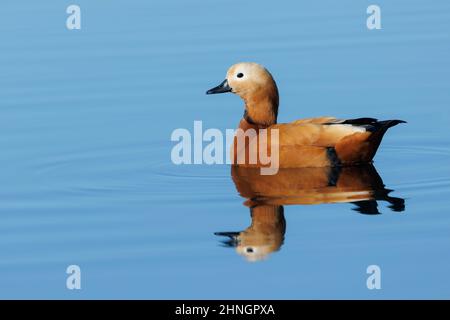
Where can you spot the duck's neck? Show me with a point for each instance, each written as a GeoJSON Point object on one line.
{"type": "Point", "coordinates": [262, 110]}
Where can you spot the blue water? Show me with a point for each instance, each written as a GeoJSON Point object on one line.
{"type": "Point", "coordinates": [86, 176]}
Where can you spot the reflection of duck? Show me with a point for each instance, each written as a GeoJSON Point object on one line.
{"type": "Point", "coordinates": [317, 142]}
{"type": "Point", "coordinates": [266, 195]}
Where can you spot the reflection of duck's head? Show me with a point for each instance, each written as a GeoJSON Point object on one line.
{"type": "Point", "coordinates": [264, 236]}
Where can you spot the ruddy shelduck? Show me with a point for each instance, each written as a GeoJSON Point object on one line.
{"type": "Point", "coordinates": [314, 142]}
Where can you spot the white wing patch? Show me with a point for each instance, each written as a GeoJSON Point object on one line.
{"type": "Point", "coordinates": [354, 128]}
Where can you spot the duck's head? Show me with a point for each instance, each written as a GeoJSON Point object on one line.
{"type": "Point", "coordinates": [256, 86]}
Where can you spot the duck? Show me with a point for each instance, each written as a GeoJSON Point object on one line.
{"type": "Point", "coordinates": [312, 142]}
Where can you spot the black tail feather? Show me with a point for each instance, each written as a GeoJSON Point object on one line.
{"type": "Point", "coordinates": [370, 124]}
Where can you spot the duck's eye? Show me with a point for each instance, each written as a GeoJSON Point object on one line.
{"type": "Point", "coordinates": [240, 75]}
{"type": "Point", "coordinates": [249, 250]}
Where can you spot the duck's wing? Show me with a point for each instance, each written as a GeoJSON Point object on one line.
{"type": "Point", "coordinates": [361, 147]}
{"type": "Point", "coordinates": [317, 132]}
{"type": "Point", "coordinates": [332, 141]}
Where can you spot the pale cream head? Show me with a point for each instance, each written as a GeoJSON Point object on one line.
{"type": "Point", "coordinates": [248, 77]}
{"type": "Point", "coordinates": [256, 86]}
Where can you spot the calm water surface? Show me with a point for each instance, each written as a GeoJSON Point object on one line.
{"type": "Point", "coordinates": [86, 176]}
